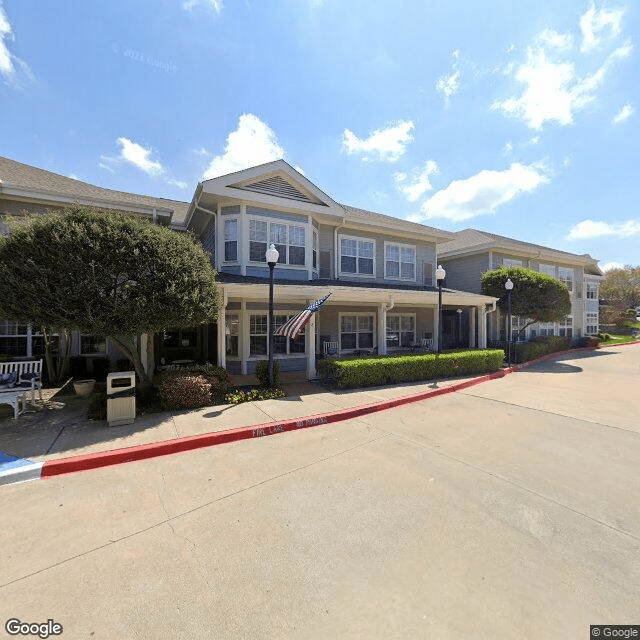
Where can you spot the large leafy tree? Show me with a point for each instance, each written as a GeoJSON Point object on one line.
{"type": "Point", "coordinates": [105, 273]}
{"type": "Point", "coordinates": [536, 297]}
{"type": "Point", "coordinates": [622, 285]}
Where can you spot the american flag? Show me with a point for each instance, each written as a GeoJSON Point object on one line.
{"type": "Point", "coordinates": [294, 327]}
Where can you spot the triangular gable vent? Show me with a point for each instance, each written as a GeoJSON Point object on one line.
{"type": "Point", "coordinates": [277, 186]}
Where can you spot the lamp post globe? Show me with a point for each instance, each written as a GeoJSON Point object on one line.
{"type": "Point", "coordinates": [441, 274]}
{"type": "Point", "coordinates": [508, 285]}
{"type": "Point", "coordinates": [271, 256]}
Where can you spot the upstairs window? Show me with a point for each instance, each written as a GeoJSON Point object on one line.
{"type": "Point", "coordinates": [289, 240]}
{"type": "Point", "coordinates": [508, 262]}
{"type": "Point", "coordinates": [356, 256]}
{"type": "Point", "coordinates": [566, 276]}
{"type": "Point", "coordinates": [548, 269]}
{"type": "Point", "coordinates": [399, 261]}
{"type": "Point", "coordinates": [231, 240]}
{"type": "Point", "coordinates": [592, 290]}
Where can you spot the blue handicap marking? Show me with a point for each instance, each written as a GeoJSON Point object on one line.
{"type": "Point", "coordinates": [8, 461]}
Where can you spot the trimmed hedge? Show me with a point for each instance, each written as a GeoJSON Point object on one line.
{"type": "Point", "coordinates": [540, 346]}
{"type": "Point", "coordinates": [368, 372]}
{"type": "Point", "coordinates": [183, 390]}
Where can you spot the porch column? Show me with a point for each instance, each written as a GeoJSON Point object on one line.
{"type": "Point", "coordinates": [436, 328]}
{"type": "Point", "coordinates": [382, 330]}
{"type": "Point", "coordinates": [222, 338]}
{"type": "Point", "coordinates": [243, 342]}
{"type": "Point", "coordinates": [472, 328]}
{"type": "Point", "coordinates": [311, 347]}
{"type": "Point", "coordinates": [482, 328]}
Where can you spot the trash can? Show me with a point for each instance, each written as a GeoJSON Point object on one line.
{"type": "Point", "coordinates": [121, 398]}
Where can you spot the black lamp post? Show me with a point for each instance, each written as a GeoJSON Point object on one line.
{"type": "Point", "coordinates": [271, 256]}
{"type": "Point", "coordinates": [508, 285]}
{"type": "Point", "coordinates": [440, 276]}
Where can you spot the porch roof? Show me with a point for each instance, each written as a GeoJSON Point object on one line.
{"type": "Point", "coordinates": [256, 289]}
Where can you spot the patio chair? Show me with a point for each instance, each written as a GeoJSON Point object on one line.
{"type": "Point", "coordinates": [330, 349]}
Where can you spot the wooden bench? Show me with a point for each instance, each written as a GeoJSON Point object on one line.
{"type": "Point", "coordinates": [33, 369]}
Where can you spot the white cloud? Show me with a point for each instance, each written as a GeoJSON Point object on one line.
{"type": "Point", "coordinates": [596, 229]}
{"type": "Point", "coordinates": [595, 25]}
{"type": "Point", "coordinates": [449, 84]}
{"type": "Point", "coordinates": [484, 192]}
{"type": "Point", "coordinates": [383, 144]}
{"type": "Point", "coordinates": [418, 183]}
{"type": "Point", "coordinates": [607, 266]}
{"type": "Point", "coordinates": [551, 38]}
{"type": "Point", "coordinates": [181, 184]}
{"type": "Point", "coordinates": [508, 148]}
{"type": "Point", "coordinates": [139, 157]}
{"type": "Point", "coordinates": [553, 90]}
{"type": "Point", "coordinates": [252, 143]}
{"type": "Point", "coordinates": [624, 114]}
{"type": "Point", "coordinates": [6, 64]}
{"type": "Point", "coordinates": [214, 5]}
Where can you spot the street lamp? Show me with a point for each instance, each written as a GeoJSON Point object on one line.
{"type": "Point", "coordinates": [459, 327]}
{"type": "Point", "coordinates": [271, 256]}
{"type": "Point", "coordinates": [440, 276]}
{"type": "Point", "coordinates": [508, 285]}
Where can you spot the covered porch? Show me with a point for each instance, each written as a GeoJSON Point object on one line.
{"type": "Point", "coordinates": [356, 320]}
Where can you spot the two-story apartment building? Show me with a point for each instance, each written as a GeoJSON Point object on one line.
{"type": "Point", "coordinates": [379, 270]}
{"type": "Point", "coordinates": [470, 253]}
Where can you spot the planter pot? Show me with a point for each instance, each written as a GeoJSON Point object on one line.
{"type": "Point", "coordinates": [84, 388]}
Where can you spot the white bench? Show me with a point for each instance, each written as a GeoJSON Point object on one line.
{"type": "Point", "coordinates": [13, 397]}
{"type": "Point", "coordinates": [33, 367]}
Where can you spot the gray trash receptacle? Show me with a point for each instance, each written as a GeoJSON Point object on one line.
{"type": "Point", "coordinates": [121, 398]}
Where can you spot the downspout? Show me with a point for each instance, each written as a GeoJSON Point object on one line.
{"type": "Point", "coordinates": [486, 314]}
{"type": "Point", "coordinates": [335, 247]}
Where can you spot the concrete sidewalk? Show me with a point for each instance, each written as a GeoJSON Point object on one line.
{"type": "Point", "coordinates": [60, 428]}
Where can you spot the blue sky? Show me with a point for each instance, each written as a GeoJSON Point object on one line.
{"type": "Point", "coordinates": [519, 118]}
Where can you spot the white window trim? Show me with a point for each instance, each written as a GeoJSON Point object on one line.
{"type": "Point", "coordinates": [513, 260]}
{"type": "Point", "coordinates": [545, 264]}
{"type": "Point", "coordinates": [572, 279]}
{"type": "Point", "coordinates": [592, 283]}
{"type": "Point", "coordinates": [357, 273]}
{"type": "Point", "coordinates": [279, 356]}
{"type": "Point", "coordinates": [400, 246]}
{"type": "Point", "coordinates": [357, 313]}
{"type": "Point", "coordinates": [230, 314]}
{"type": "Point", "coordinates": [315, 240]}
{"type": "Point", "coordinates": [595, 314]}
{"type": "Point", "coordinates": [287, 223]}
{"type": "Point", "coordinates": [415, 327]}
{"type": "Point", "coordinates": [238, 240]}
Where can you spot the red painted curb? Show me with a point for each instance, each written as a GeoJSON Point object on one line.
{"type": "Point", "coordinates": [155, 449]}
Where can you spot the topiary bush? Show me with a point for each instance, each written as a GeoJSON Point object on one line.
{"type": "Point", "coordinates": [183, 390]}
{"type": "Point", "coordinates": [367, 372]}
{"type": "Point", "coordinates": [262, 373]}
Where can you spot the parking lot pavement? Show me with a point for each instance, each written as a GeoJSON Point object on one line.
{"type": "Point", "coordinates": [489, 513]}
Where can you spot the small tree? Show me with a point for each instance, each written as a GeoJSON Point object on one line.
{"type": "Point", "coordinates": [623, 285]}
{"type": "Point", "coordinates": [105, 273]}
{"type": "Point", "coordinates": [536, 297]}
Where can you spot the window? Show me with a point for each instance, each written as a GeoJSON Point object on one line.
{"type": "Point", "coordinates": [258, 241]}
{"type": "Point", "coordinates": [592, 290]}
{"type": "Point", "coordinates": [356, 331]}
{"type": "Point", "coordinates": [90, 345]}
{"type": "Point", "coordinates": [592, 323]}
{"type": "Point", "coordinates": [284, 344]}
{"type": "Point", "coordinates": [315, 250]}
{"type": "Point", "coordinates": [565, 328]}
{"type": "Point", "coordinates": [258, 335]}
{"type": "Point", "coordinates": [356, 256]}
{"type": "Point", "coordinates": [399, 261]}
{"type": "Point", "coordinates": [401, 330]}
{"type": "Point", "coordinates": [231, 334]}
{"type": "Point", "coordinates": [517, 324]}
{"type": "Point", "coordinates": [13, 339]}
{"type": "Point", "coordinates": [549, 269]}
{"type": "Point", "coordinates": [546, 329]}
{"type": "Point", "coordinates": [566, 276]}
{"type": "Point", "coordinates": [290, 241]}
{"type": "Point", "coordinates": [178, 338]}
{"type": "Point", "coordinates": [231, 240]}
{"type": "Point", "coordinates": [508, 262]}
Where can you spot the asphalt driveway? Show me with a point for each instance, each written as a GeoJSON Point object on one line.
{"type": "Point", "coordinates": [509, 510]}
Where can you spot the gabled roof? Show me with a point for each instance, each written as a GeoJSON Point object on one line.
{"type": "Point", "coordinates": [473, 241]}
{"type": "Point", "coordinates": [25, 182]}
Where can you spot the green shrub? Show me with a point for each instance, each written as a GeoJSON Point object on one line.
{"type": "Point", "coordinates": [183, 390]}
{"type": "Point", "coordinates": [219, 379]}
{"type": "Point", "coordinates": [367, 372]}
{"type": "Point", "coordinates": [238, 396]}
{"type": "Point", "coordinates": [262, 373]}
{"type": "Point", "coordinates": [538, 347]}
